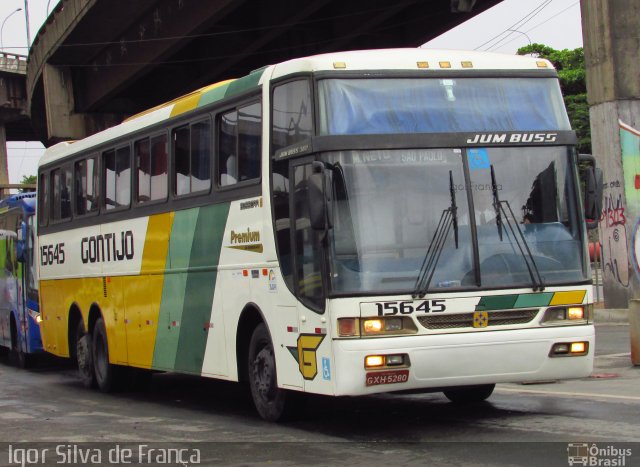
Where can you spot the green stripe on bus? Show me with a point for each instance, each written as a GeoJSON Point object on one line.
{"type": "Point", "coordinates": [243, 84]}
{"type": "Point", "coordinates": [174, 288]}
{"type": "Point", "coordinates": [496, 302]}
{"type": "Point", "coordinates": [534, 300]}
{"type": "Point", "coordinates": [201, 283]}
{"type": "Point", "coordinates": [213, 95]}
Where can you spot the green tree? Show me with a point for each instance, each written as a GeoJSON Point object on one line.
{"type": "Point", "coordinates": [571, 72]}
{"type": "Point", "coordinates": [28, 180]}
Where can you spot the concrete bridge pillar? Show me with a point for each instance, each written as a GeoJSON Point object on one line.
{"type": "Point", "coordinates": [62, 122]}
{"type": "Point", "coordinates": [611, 44]}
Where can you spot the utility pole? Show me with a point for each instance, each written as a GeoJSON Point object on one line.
{"type": "Point", "coordinates": [26, 16]}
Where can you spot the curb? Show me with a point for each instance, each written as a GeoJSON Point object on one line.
{"type": "Point", "coordinates": [611, 315]}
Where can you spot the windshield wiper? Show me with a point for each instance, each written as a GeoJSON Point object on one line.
{"type": "Point", "coordinates": [448, 218]}
{"type": "Point", "coordinates": [521, 242]}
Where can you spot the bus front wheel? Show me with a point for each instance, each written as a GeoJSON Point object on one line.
{"type": "Point", "coordinates": [470, 394]}
{"type": "Point", "coordinates": [267, 397]}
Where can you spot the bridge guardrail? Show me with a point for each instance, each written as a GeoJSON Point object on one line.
{"type": "Point", "coordinates": [13, 63]}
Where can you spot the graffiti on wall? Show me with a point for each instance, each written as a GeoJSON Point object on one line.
{"type": "Point", "coordinates": [630, 147]}
{"type": "Point", "coordinates": [613, 225]}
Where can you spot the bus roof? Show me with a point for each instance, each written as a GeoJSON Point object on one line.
{"type": "Point", "coordinates": [428, 60]}
{"type": "Point", "coordinates": [24, 201]}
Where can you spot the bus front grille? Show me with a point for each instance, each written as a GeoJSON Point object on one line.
{"type": "Point", "coordinates": [465, 320]}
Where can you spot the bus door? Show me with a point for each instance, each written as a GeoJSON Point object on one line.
{"type": "Point", "coordinates": [314, 348]}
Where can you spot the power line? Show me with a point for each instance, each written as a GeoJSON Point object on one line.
{"type": "Point", "coordinates": [545, 21]}
{"type": "Point", "coordinates": [497, 44]}
{"type": "Point", "coordinates": [517, 24]}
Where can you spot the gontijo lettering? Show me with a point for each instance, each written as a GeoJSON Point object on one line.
{"type": "Point", "coordinates": [107, 247]}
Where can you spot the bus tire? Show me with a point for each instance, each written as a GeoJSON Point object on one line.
{"type": "Point", "coordinates": [21, 359]}
{"type": "Point", "coordinates": [84, 357]}
{"type": "Point", "coordinates": [470, 394]}
{"type": "Point", "coordinates": [269, 400]}
{"type": "Point", "coordinates": [105, 372]}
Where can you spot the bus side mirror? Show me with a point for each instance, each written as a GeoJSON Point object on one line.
{"type": "Point", "coordinates": [319, 197]}
{"type": "Point", "coordinates": [21, 243]}
{"type": "Point", "coordinates": [591, 183]}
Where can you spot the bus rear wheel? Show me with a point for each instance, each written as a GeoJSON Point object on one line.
{"type": "Point", "coordinates": [21, 359]}
{"type": "Point", "coordinates": [270, 401]}
{"type": "Point", "coordinates": [470, 394]}
{"type": "Point", "coordinates": [84, 357]}
{"type": "Point", "coordinates": [105, 372]}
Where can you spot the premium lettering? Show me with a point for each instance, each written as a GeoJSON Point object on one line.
{"type": "Point", "coordinates": [107, 247]}
{"type": "Point", "coordinates": [245, 237]}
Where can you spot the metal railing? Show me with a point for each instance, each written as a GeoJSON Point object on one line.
{"type": "Point", "coordinates": [13, 62]}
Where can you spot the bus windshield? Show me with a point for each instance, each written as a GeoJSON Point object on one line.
{"type": "Point", "coordinates": [429, 105]}
{"type": "Point", "coordinates": [388, 205]}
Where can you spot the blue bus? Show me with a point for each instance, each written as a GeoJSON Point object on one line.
{"type": "Point", "coordinates": [19, 310]}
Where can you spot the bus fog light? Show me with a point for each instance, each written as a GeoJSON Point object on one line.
{"type": "Point", "coordinates": [394, 360]}
{"type": "Point", "coordinates": [569, 349]}
{"type": "Point", "coordinates": [373, 361]}
{"type": "Point", "coordinates": [575, 312]}
{"type": "Point", "coordinates": [560, 349]}
{"type": "Point", "coordinates": [347, 327]}
{"type": "Point", "coordinates": [371, 326]}
{"type": "Point", "coordinates": [392, 324]}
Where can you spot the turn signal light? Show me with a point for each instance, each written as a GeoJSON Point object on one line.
{"type": "Point", "coordinates": [373, 361]}
{"type": "Point", "coordinates": [380, 361]}
{"type": "Point", "coordinates": [569, 349]}
{"type": "Point", "coordinates": [348, 327]}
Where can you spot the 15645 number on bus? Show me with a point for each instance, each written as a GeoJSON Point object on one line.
{"type": "Point", "coordinates": [408, 307]}
{"type": "Point", "coordinates": [52, 254]}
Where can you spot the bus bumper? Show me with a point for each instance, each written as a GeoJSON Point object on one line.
{"type": "Point", "coordinates": [445, 360]}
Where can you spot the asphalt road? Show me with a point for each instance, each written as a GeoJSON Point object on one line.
{"type": "Point", "coordinates": [518, 425]}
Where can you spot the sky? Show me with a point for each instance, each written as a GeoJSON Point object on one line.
{"type": "Point", "coordinates": [555, 23]}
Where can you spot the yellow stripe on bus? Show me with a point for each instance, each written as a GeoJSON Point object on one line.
{"type": "Point", "coordinates": [568, 298]}
{"type": "Point", "coordinates": [144, 293]}
{"type": "Point", "coordinates": [156, 245]}
{"type": "Point", "coordinates": [190, 101]}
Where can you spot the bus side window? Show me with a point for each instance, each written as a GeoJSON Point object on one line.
{"type": "Point", "coordinates": [86, 182]}
{"type": "Point", "coordinates": [192, 156]}
{"type": "Point", "coordinates": [292, 114]}
{"type": "Point", "coordinates": [61, 189]}
{"type": "Point", "coordinates": [239, 144]}
{"type": "Point", "coordinates": [117, 178]}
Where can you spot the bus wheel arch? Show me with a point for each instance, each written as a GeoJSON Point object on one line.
{"type": "Point", "coordinates": [250, 318]}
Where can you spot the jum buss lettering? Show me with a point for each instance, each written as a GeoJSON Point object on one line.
{"type": "Point", "coordinates": [107, 247]}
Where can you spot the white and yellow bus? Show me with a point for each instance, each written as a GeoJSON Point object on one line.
{"type": "Point", "coordinates": [342, 224]}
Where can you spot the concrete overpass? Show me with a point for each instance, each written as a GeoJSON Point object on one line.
{"type": "Point", "coordinates": [95, 62]}
{"type": "Point", "coordinates": [14, 121]}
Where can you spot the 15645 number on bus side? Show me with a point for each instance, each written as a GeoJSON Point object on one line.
{"type": "Point", "coordinates": [52, 254]}
{"type": "Point", "coordinates": [408, 307]}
